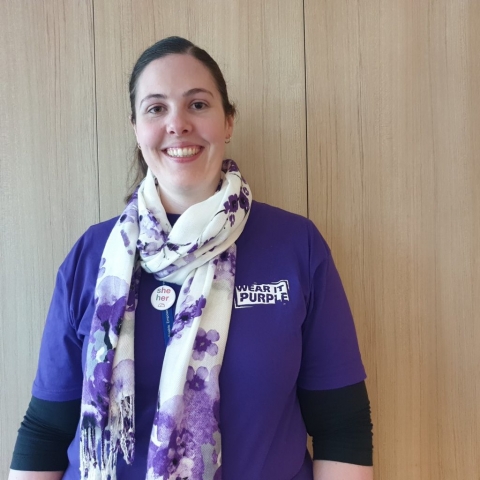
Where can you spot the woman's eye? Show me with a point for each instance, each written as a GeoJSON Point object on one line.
{"type": "Point", "coordinates": [156, 109]}
{"type": "Point", "coordinates": [199, 105]}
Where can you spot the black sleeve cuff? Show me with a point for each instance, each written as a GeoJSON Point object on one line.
{"type": "Point", "coordinates": [339, 422]}
{"type": "Point", "coordinates": [44, 436]}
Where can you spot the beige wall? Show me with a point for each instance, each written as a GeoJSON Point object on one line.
{"type": "Point", "coordinates": [363, 115]}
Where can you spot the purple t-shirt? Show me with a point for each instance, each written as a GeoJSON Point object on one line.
{"type": "Point", "coordinates": [291, 327]}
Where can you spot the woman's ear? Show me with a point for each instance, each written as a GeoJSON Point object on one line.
{"type": "Point", "coordinates": [134, 125]}
{"type": "Point", "coordinates": [229, 121]}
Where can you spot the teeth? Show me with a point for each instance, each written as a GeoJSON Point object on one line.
{"type": "Point", "coordinates": [183, 152]}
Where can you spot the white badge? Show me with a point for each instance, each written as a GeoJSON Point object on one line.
{"type": "Point", "coordinates": [163, 297]}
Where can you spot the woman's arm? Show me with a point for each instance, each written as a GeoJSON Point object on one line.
{"type": "Point", "coordinates": [47, 430]}
{"type": "Point", "coordinates": [328, 470]}
{"type": "Point", "coordinates": [340, 423]}
{"type": "Point", "coordinates": [20, 475]}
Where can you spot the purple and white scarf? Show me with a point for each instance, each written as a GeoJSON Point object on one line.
{"type": "Point", "coordinates": [198, 253]}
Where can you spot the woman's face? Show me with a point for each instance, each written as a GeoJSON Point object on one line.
{"type": "Point", "coordinates": [181, 126]}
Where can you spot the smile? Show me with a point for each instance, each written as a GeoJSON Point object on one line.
{"type": "Point", "coordinates": [183, 152]}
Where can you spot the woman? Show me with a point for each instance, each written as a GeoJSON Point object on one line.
{"type": "Point", "coordinates": [136, 376]}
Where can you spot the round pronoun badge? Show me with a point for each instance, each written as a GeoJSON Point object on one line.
{"type": "Point", "coordinates": [163, 297]}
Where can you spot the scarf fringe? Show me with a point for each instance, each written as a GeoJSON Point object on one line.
{"type": "Point", "coordinates": [126, 425]}
{"type": "Point", "coordinates": [121, 431]}
{"type": "Point", "coordinates": [121, 436]}
{"type": "Point", "coordinates": [88, 459]}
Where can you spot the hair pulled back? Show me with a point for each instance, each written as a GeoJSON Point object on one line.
{"type": "Point", "coordinates": [163, 48]}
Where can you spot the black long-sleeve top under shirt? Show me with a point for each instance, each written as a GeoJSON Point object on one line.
{"type": "Point", "coordinates": [338, 420]}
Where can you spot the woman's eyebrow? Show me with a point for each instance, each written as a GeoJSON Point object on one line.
{"type": "Point", "coordinates": [153, 95]}
{"type": "Point", "coordinates": [188, 93]}
{"type": "Point", "coordinates": [194, 91]}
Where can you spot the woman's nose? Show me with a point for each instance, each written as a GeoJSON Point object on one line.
{"type": "Point", "coordinates": [178, 123]}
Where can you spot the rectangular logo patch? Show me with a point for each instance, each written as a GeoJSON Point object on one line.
{"type": "Point", "coordinates": [263, 294]}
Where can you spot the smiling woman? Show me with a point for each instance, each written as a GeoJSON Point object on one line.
{"type": "Point", "coordinates": [210, 87]}
{"type": "Point", "coordinates": [181, 129]}
{"type": "Point", "coordinates": [200, 334]}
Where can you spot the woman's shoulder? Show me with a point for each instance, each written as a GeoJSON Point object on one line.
{"type": "Point", "coordinates": [89, 247]}
{"type": "Point", "coordinates": [100, 230]}
{"type": "Point", "coordinates": [270, 222]}
{"type": "Point", "coordinates": [274, 216]}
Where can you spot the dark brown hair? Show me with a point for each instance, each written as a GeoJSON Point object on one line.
{"type": "Point", "coordinates": [170, 46]}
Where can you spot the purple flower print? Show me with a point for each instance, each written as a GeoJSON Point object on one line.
{"type": "Point", "coordinates": [196, 381]}
{"type": "Point", "coordinates": [244, 202]}
{"type": "Point", "coordinates": [201, 401]}
{"type": "Point", "coordinates": [164, 423]}
{"type": "Point", "coordinates": [123, 378]}
{"type": "Point", "coordinates": [109, 308]}
{"type": "Point", "coordinates": [129, 216]}
{"type": "Point", "coordinates": [89, 422]}
{"type": "Point", "coordinates": [185, 317]}
{"type": "Point", "coordinates": [168, 461]}
{"type": "Point", "coordinates": [229, 166]}
{"type": "Point", "coordinates": [204, 342]}
{"type": "Point", "coordinates": [192, 311]}
{"type": "Point", "coordinates": [226, 262]}
{"type": "Point", "coordinates": [193, 248]}
{"type": "Point", "coordinates": [149, 248]}
{"type": "Point", "coordinates": [181, 443]}
{"type": "Point", "coordinates": [166, 271]}
{"type": "Point", "coordinates": [133, 292]}
{"type": "Point", "coordinates": [97, 390]}
{"type": "Point", "coordinates": [232, 204]}
{"type": "Point", "coordinates": [219, 186]}
{"type": "Point", "coordinates": [126, 240]}
{"type": "Point", "coordinates": [216, 411]}
{"type": "Point", "coordinates": [172, 246]}
{"type": "Point", "coordinates": [225, 256]}
{"type": "Point", "coordinates": [186, 290]}
{"type": "Point", "coordinates": [151, 228]}
{"type": "Point", "coordinates": [111, 314]}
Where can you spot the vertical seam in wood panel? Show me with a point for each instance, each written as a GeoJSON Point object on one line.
{"type": "Point", "coordinates": [96, 110]}
{"type": "Point", "coordinates": [306, 108]}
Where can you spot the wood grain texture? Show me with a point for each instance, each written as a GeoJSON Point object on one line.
{"type": "Point", "coordinates": [259, 47]}
{"type": "Point", "coordinates": [392, 113]}
{"type": "Point", "coordinates": [48, 177]}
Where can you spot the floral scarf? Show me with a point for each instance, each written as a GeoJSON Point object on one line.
{"type": "Point", "coordinates": [198, 253]}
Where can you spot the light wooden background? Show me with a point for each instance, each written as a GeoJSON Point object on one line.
{"type": "Point", "coordinates": [364, 115]}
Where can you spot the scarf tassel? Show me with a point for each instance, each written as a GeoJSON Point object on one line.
{"type": "Point", "coordinates": [126, 426]}
{"type": "Point", "coordinates": [121, 431]}
{"type": "Point", "coordinates": [88, 460]}
{"type": "Point", "coordinates": [119, 436]}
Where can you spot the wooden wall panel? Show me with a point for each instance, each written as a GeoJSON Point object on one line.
{"type": "Point", "coordinates": [393, 112]}
{"type": "Point", "coordinates": [392, 122]}
{"type": "Point", "coordinates": [48, 177]}
{"type": "Point", "coordinates": [259, 47]}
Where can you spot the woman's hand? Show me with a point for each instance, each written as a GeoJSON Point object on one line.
{"type": "Point", "coordinates": [327, 470]}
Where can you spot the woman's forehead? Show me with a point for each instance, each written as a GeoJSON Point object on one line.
{"type": "Point", "coordinates": [177, 73]}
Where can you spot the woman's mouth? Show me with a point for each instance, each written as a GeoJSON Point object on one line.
{"type": "Point", "coordinates": [184, 152]}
